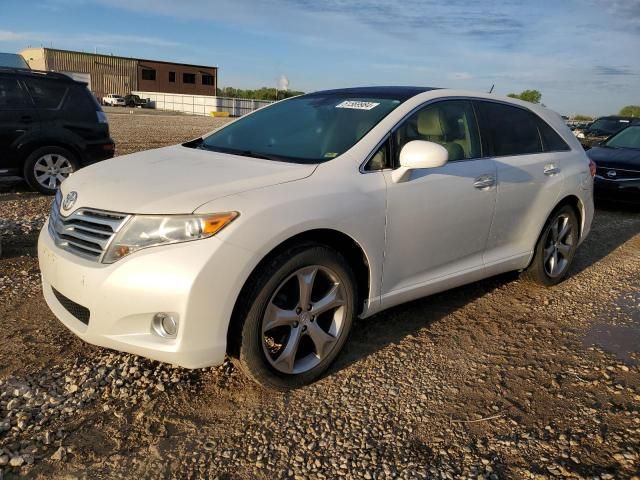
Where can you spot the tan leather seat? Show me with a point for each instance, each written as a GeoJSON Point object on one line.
{"type": "Point", "coordinates": [432, 127]}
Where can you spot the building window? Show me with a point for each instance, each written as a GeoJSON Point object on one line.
{"type": "Point", "coordinates": [172, 77]}
{"type": "Point", "coordinates": [207, 79]}
{"type": "Point", "coordinates": [188, 78]}
{"type": "Point", "coordinates": [148, 74]}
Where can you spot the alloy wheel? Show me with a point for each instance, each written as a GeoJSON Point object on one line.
{"type": "Point", "coordinates": [558, 246]}
{"type": "Point", "coordinates": [51, 169]}
{"type": "Point", "coordinates": [304, 319]}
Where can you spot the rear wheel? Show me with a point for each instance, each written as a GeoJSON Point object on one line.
{"type": "Point", "coordinates": [47, 167]}
{"type": "Point", "coordinates": [300, 312]}
{"type": "Point", "coordinates": [555, 249]}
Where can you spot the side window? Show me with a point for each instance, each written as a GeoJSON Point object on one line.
{"type": "Point", "coordinates": [11, 94]}
{"type": "Point", "coordinates": [46, 93]}
{"type": "Point", "coordinates": [451, 123]}
{"type": "Point", "coordinates": [552, 142]}
{"type": "Point", "coordinates": [380, 160]}
{"type": "Point", "coordinates": [509, 130]}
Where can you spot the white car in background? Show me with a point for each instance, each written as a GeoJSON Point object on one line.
{"type": "Point", "coordinates": [266, 239]}
{"type": "Point", "coordinates": [114, 100]}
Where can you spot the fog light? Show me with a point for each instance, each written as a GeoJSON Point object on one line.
{"type": "Point", "coordinates": [165, 324]}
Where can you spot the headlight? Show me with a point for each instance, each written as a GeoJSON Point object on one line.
{"type": "Point", "coordinates": [143, 231]}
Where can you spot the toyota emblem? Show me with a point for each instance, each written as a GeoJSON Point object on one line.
{"type": "Point", "coordinates": [69, 200]}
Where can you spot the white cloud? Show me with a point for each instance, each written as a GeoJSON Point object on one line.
{"type": "Point", "coordinates": [8, 36]}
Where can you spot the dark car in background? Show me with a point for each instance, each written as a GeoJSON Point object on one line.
{"type": "Point", "coordinates": [618, 166]}
{"type": "Point", "coordinates": [603, 128]}
{"type": "Point", "coordinates": [50, 126]}
{"type": "Point", "coordinates": [133, 100]}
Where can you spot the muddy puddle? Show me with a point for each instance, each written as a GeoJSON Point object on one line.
{"type": "Point", "coordinates": [620, 337]}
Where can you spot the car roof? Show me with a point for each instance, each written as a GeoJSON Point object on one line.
{"type": "Point", "coordinates": [23, 72]}
{"type": "Point", "coordinates": [399, 92]}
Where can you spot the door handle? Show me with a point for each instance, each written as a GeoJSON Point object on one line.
{"type": "Point", "coordinates": [26, 119]}
{"type": "Point", "coordinates": [484, 182]}
{"type": "Point", "coordinates": [551, 169]}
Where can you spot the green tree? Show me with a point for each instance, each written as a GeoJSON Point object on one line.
{"type": "Point", "coordinates": [533, 96]}
{"type": "Point", "coordinates": [631, 111]}
{"type": "Point", "coordinates": [264, 93]}
{"type": "Point", "coordinates": [582, 118]}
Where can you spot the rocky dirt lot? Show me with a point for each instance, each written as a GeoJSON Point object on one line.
{"type": "Point", "coordinates": [498, 379]}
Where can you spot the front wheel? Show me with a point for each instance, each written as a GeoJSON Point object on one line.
{"type": "Point", "coordinates": [47, 167]}
{"type": "Point", "coordinates": [300, 311]}
{"type": "Point", "coordinates": [555, 249]}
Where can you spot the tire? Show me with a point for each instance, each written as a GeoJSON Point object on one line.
{"type": "Point", "coordinates": [302, 343]}
{"type": "Point", "coordinates": [555, 249]}
{"type": "Point", "coordinates": [60, 161]}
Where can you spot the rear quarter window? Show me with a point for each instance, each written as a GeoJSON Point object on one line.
{"type": "Point", "coordinates": [47, 93]}
{"type": "Point", "coordinates": [551, 140]}
{"type": "Point", "coordinates": [80, 103]}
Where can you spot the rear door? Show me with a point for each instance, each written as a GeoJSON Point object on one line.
{"type": "Point", "coordinates": [529, 182]}
{"type": "Point", "coordinates": [18, 120]}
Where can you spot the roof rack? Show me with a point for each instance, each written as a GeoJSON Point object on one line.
{"type": "Point", "coordinates": [35, 73]}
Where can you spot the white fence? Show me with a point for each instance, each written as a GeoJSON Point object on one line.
{"type": "Point", "coordinates": [203, 104]}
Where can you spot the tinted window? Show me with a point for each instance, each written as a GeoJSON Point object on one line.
{"type": "Point", "coordinates": [306, 129]}
{"type": "Point", "coordinates": [608, 126]}
{"type": "Point", "coordinates": [172, 77]}
{"type": "Point", "coordinates": [11, 94]}
{"type": "Point", "coordinates": [80, 103]}
{"type": "Point", "coordinates": [450, 123]}
{"type": "Point", "coordinates": [509, 130]}
{"type": "Point", "coordinates": [552, 142]}
{"type": "Point", "coordinates": [46, 93]}
{"type": "Point", "coordinates": [207, 79]}
{"type": "Point", "coordinates": [148, 74]}
{"type": "Point", "coordinates": [188, 78]}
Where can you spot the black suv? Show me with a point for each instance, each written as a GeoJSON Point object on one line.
{"type": "Point", "coordinates": [603, 128]}
{"type": "Point", "coordinates": [50, 125]}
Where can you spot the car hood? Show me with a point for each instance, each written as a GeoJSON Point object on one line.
{"type": "Point", "coordinates": [622, 158]}
{"type": "Point", "coordinates": [174, 180]}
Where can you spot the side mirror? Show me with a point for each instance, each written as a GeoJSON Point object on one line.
{"type": "Point", "coordinates": [419, 154]}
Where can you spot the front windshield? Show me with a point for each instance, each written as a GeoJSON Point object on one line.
{"type": "Point", "coordinates": [608, 125]}
{"type": "Point", "coordinates": [307, 129]}
{"type": "Point", "coordinates": [627, 138]}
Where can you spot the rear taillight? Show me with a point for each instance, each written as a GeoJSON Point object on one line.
{"type": "Point", "coordinates": [109, 147]}
{"type": "Point", "coordinates": [592, 168]}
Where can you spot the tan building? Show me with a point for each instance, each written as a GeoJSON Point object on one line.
{"type": "Point", "coordinates": [121, 75]}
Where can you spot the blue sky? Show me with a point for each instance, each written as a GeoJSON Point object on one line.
{"type": "Point", "coordinates": [584, 56]}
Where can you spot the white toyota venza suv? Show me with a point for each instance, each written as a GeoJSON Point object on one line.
{"type": "Point", "coordinates": [264, 240]}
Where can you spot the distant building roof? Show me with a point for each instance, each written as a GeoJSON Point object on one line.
{"type": "Point", "coordinates": [12, 60]}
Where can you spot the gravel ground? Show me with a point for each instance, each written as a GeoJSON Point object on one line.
{"type": "Point", "coordinates": [498, 379]}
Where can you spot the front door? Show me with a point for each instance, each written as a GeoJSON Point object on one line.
{"type": "Point", "coordinates": [439, 219]}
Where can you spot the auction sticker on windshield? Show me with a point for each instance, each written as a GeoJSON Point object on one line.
{"type": "Point", "coordinates": [355, 105]}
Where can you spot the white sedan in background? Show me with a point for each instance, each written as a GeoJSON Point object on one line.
{"type": "Point", "coordinates": [265, 239]}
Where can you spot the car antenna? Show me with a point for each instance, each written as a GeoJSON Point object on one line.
{"type": "Point", "coordinates": [491, 89]}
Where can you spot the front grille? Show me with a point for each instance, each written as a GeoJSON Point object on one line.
{"type": "Point", "coordinates": [75, 309]}
{"type": "Point", "coordinates": [86, 232]}
{"type": "Point", "coordinates": [620, 174]}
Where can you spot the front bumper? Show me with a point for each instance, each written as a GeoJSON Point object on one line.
{"type": "Point", "coordinates": [627, 191]}
{"type": "Point", "coordinates": [199, 281]}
